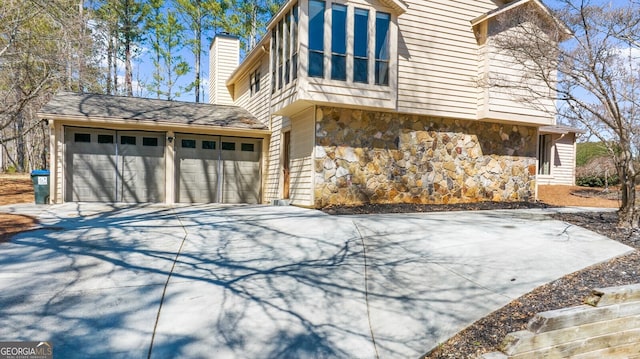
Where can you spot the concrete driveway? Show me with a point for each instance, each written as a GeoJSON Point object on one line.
{"type": "Point", "coordinates": [215, 281]}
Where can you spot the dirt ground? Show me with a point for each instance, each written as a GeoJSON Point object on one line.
{"type": "Point", "coordinates": [15, 189]}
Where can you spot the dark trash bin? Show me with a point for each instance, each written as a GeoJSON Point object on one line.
{"type": "Point", "coordinates": [40, 179]}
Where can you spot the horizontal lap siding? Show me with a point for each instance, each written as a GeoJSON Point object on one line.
{"type": "Point", "coordinates": [272, 177]}
{"type": "Point", "coordinates": [258, 104]}
{"type": "Point", "coordinates": [564, 160]}
{"type": "Point", "coordinates": [438, 57]}
{"type": "Point", "coordinates": [302, 143]}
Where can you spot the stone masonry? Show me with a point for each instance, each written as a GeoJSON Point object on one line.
{"type": "Point", "coordinates": [377, 157]}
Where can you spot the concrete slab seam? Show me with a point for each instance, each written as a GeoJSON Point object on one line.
{"type": "Point", "coordinates": [166, 284]}
{"type": "Point", "coordinates": [366, 288]}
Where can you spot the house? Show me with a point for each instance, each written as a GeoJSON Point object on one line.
{"type": "Point", "coordinates": [341, 102]}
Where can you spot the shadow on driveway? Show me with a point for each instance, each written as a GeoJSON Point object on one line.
{"type": "Point", "coordinates": [271, 282]}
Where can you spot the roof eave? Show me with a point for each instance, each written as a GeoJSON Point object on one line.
{"type": "Point", "coordinates": [146, 123]}
{"type": "Point", "coordinates": [545, 10]}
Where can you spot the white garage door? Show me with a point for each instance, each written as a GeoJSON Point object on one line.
{"type": "Point", "coordinates": [217, 169]}
{"type": "Point", "coordinates": [114, 166]}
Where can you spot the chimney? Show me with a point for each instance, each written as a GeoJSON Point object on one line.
{"type": "Point", "coordinates": [224, 58]}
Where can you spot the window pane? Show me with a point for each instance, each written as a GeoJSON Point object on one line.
{"type": "Point", "coordinates": [209, 145]}
{"type": "Point", "coordinates": [382, 73]}
{"type": "Point", "coordinates": [150, 141]}
{"type": "Point", "coordinates": [382, 36]}
{"type": "Point", "coordinates": [128, 140]}
{"type": "Point", "coordinates": [361, 70]}
{"type": "Point", "coordinates": [294, 40]}
{"type": "Point", "coordinates": [338, 29]}
{"type": "Point", "coordinates": [188, 143]}
{"type": "Point", "coordinates": [105, 138]}
{"type": "Point", "coordinates": [247, 147]}
{"type": "Point", "coordinates": [361, 35]}
{"type": "Point", "coordinates": [316, 68]}
{"type": "Point", "coordinates": [316, 25]}
{"type": "Point", "coordinates": [82, 137]}
{"type": "Point", "coordinates": [229, 146]}
{"type": "Point", "coordinates": [339, 67]}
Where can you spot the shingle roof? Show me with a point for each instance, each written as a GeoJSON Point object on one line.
{"type": "Point", "coordinates": [73, 105]}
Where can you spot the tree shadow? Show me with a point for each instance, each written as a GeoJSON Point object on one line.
{"type": "Point", "coordinates": [275, 282]}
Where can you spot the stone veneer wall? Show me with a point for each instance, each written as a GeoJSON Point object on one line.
{"type": "Point", "coordinates": [377, 157]}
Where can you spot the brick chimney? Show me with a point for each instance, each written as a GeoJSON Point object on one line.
{"type": "Point", "coordinates": [224, 58]}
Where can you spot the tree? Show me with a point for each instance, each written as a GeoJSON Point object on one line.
{"type": "Point", "coordinates": [44, 46]}
{"type": "Point", "coordinates": [594, 74]}
{"type": "Point", "coordinates": [123, 21]}
{"type": "Point", "coordinates": [249, 19]}
{"type": "Point", "coordinates": [200, 17]}
{"type": "Point", "coordinates": [165, 35]}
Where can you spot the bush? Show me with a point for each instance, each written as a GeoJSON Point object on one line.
{"type": "Point", "coordinates": [598, 172]}
{"type": "Point", "coordinates": [597, 181]}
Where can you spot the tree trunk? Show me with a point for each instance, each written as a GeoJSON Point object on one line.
{"type": "Point", "coordinates": [628, 215]}
{"type": "Point", "coordinates": [128, 72]}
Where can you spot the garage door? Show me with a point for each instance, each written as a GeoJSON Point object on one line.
{"type": "Point", "coordinates": [217, 169]}
{"type": "Point", "coordinates": [114, 166]}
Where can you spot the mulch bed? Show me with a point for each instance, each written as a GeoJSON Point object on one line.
{"type": "Point", "coordinates": [414, 208]}
{"type": "Point", "coordinates": [486, 334]}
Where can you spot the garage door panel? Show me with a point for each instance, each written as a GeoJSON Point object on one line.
{"type": "Point", "coordinates": [101, 167]}
{"type": "Point", "coordinates": [90, 165]}
{"type": "Point", "coordinates": [241, 163]}
{"type": "Point", "coordinates": [142, 168]}
{"type": "Point", "coordinates": [197, 168]}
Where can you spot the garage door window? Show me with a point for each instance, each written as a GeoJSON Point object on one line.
{"type": "Point", "coordinates": [150, 141]}
{"type": "Point", "coordinates": [82, 137]}
{"type": "Point", "coordinates": [128, 140]}
{"type": "Point", "coordinates": [247, 147]}
{"type": "Point", "coordinates": [105, 138]}
{"type": "Point", "coordinates": [208, 145]}
{"type": "Point", "coordinates": [229, 146]}
{"type": "Point", "coordinates": [188, 143]}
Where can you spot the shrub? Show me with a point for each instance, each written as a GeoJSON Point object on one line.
{"type": "Point", "coordinates": [598, 172]}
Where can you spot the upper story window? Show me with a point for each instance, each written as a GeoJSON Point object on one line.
{"type": "Point", "coordinates": [284, 50]}
{"type": "Point", "coordinates": [294, 42]}
{"type": "Point", "coordinates": [361, 46]}
{"type": "Point", "coordinates": [316, 38]}
{"type": "Point", "coordinates": [359, 50]}
{"type": "Point", "coordinates": [254, 82]}
{"type": "Point", "coordinates": [338, 42]}
{"type": "Point", "coordinates": [382, 48]}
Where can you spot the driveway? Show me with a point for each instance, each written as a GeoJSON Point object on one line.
{"type": "Point", "coordinates": [214, 281]}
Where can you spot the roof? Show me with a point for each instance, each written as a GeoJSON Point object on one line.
{"type": "Point", "coordinates": [74, 106]}
{"type": "Point", "coordinates": [560, 129]}
{"type": "Point", "coordinates": [517, 3]}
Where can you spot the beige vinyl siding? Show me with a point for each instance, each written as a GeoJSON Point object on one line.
{"type": "Point", "coordinates": [257, 104]}
{"type": "Point", "coordinates": [563, 161]}
{"type": "Point", "coordinates": [302, 144]}
{"type": "Point", "coordinates": [225, 55]}
{"type": "Point", "coordinates": [438, 58]}
{"type": "Point", "coordinates": [510, 101]}
{"type": "Point", "coordinates": [272, 178]}
{"type": "Point", "coordinates": [56, 175]}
